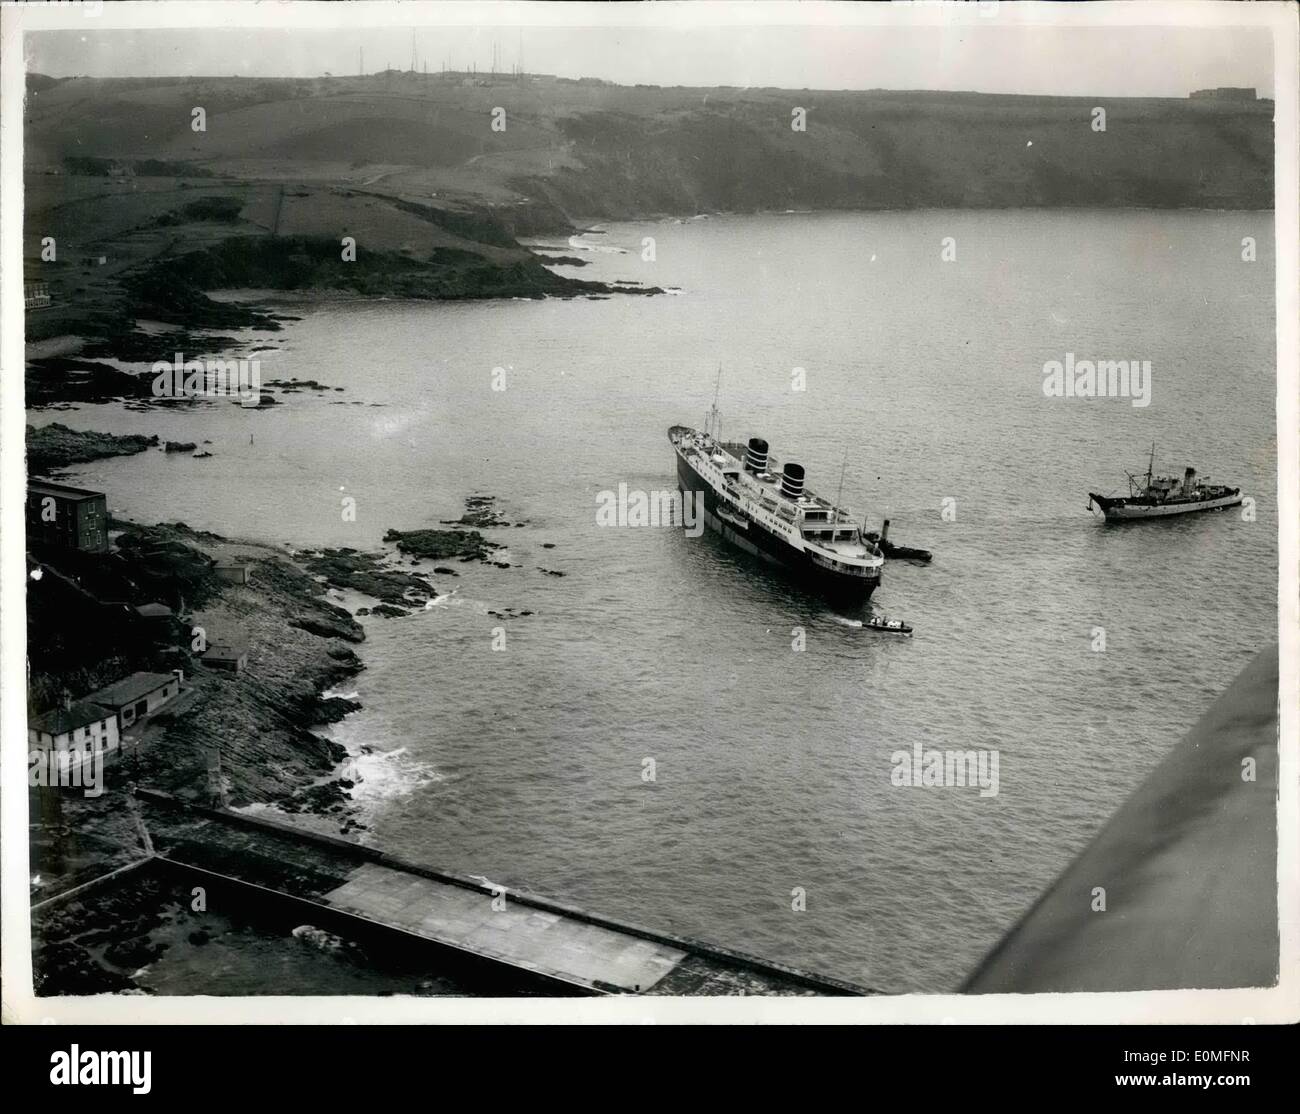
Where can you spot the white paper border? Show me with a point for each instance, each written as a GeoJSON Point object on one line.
{"type": "Point", "coordinates": [1261, 1006]}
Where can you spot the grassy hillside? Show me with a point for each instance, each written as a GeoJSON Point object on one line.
{"type": "Point", "coordinates": [600, 150]}
{"type": "Point", "coordinates": [410, 165]}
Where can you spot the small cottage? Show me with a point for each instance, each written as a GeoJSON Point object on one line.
{"type": "Point", "coordinates": [232, 572]}
{"type": "Point", "coordinates": [225, 656]}
{"type": "Point", "coordinates": [138, 695]}
{"type": "Point", "coordinates": [75, 725]}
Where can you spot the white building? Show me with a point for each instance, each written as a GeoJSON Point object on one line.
{"type": "Point", "coordinates": [79, 725]}
{"type": "Point", "coordinates": [137, 695]}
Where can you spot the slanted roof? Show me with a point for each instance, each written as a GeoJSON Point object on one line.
{"type": "Point", "coordinates": [224, 651]}
{"type": "Point", "coordinates": [130, 689]}
{"type": "Point", "coordinates": [63, 491]}
{"type": "Point", "coordinates": [62, 720]}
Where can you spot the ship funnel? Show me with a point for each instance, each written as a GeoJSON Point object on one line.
{"type": "Point", "coordinates": [756, 455]}
{"type": "Point", "coordinates": [792, 481]}
{"type": "Point", "coordinates": [1189, 479]}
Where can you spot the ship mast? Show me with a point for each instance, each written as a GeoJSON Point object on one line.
{"type": "Point", "coordinates": [1151, 463]}
{"type": "Point", "coordinates": [839, 494]}
{"type": "Point", "coordinates": [712, 425]}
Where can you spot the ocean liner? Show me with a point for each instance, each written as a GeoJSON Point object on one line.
{"type": "Point", "coordinates": [1155, 496]}
{"type": "Point", "coordinates": [775, 516]}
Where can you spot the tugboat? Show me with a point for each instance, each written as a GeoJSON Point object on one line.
{"type": "Point", "coordinates": [887, 626]}
{"type": "Point", "coordinates": [1155, 496]}
{"type": "Point", "coordinates": [772, 515]}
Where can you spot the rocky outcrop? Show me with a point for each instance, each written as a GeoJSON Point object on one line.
{"type": "Point", "coordinates": [56, 446]}
{"type": "Point", "coordinates": [436, 545]}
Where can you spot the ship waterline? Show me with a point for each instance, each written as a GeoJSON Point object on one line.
{"type": "Point", "coordinates": [1162, 496]}
{"type": "Point", "coordinates": [1128, 510]}
{"type": "Point", "coordinates": [776, 519]}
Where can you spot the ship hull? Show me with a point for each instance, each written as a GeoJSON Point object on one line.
{"type": "Point", "coordinates": [1125, 510]}
{"type": "Point", "coordinates": [746, 534]}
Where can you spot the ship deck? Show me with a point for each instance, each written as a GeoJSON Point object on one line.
{"type": "Point", "coordinates": [769, 494]}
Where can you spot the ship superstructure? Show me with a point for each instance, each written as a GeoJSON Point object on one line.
{"type": "Point", "coordinates": [767, 510]}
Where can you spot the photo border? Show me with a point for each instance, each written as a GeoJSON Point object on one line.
{"type": "Point", "coordinates": [1252, 1005]}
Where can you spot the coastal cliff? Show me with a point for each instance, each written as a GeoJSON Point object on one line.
{"type": "Point", "coordinates": [401, 184]}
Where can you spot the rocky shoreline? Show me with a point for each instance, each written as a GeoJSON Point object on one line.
{"type": "Point", "coordinates": [264, 720]}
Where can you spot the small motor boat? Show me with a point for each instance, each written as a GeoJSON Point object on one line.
{"type": "Point", "coordinates": [887, 626]}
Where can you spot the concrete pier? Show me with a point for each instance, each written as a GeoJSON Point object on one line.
{"type": "Point", "coordinates": [543, 942]}
{"type": "Point", "coordinates": [549, 944]}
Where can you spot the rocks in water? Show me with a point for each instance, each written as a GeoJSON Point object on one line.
{"type": "Point", "coordinates": [444, 571]}
{"type": "Point", "coordinates": [288, 386]}
{"type": "Point", "coordinates": [179, 447]}
{"type": "Point", "coordinates": [388, 611]}
{"type": "Point", "coordinates": [563, 260]}
{"type": "Point", "coordinates": [480, 510]}
{"type": "Point", "coordinates": [201, 456]}
{"type": "Point", "coordinates": [468, 545]}
{"type": "Point", "coordinates": [57, 446]}
{"type": "Point", "coordinates": [366, 573]}
{"type": "Point", "coordinates": [548, 545]}
{"type": "Point", "coordinates": [551, 572]}
{"type": "Point", "coordinates": [331, 709]}
{"type": "Point", "coordinates": [57, 379]}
